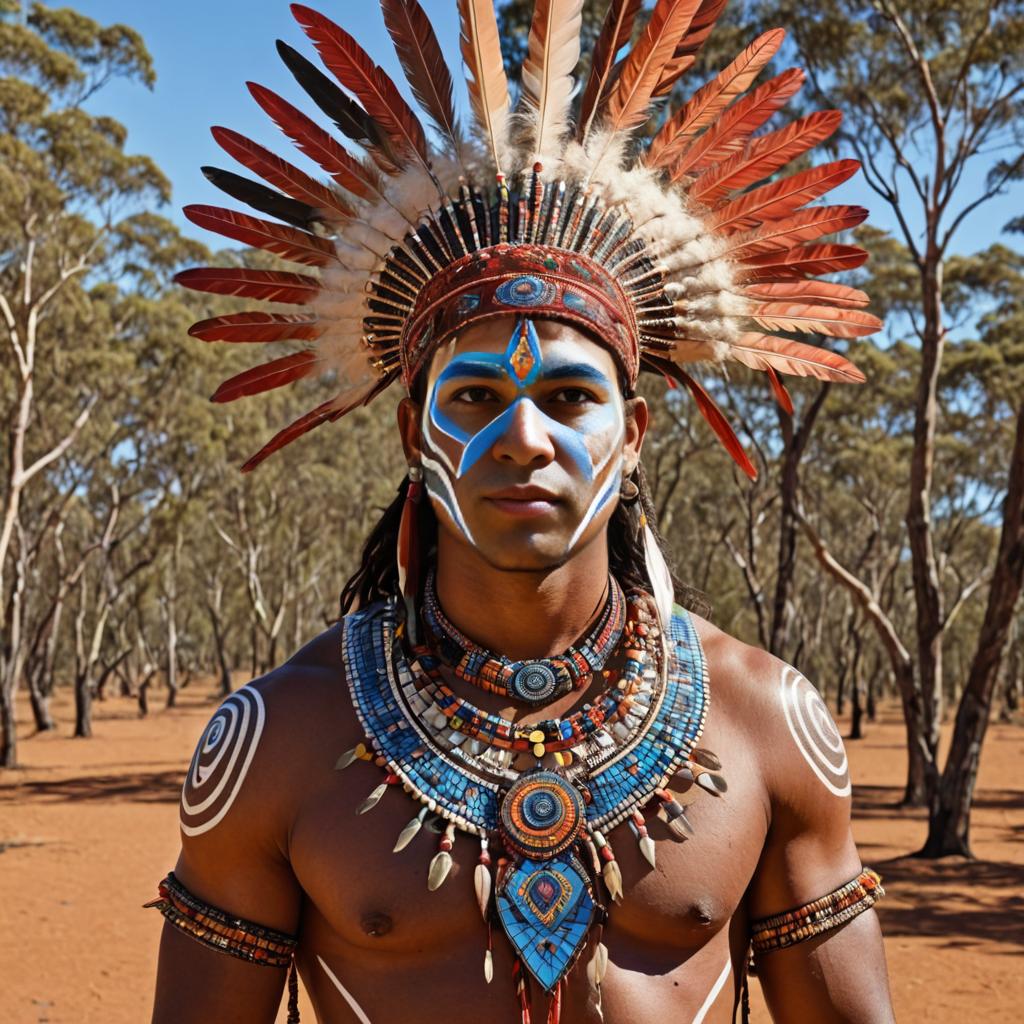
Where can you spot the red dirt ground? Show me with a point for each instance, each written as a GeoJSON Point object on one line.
{"type": "Point", "coordinates": [87, 828]}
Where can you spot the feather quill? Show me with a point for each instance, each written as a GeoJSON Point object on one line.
{"type": "Point", "coordinates": [711, 99]}
{"type": "Point", "coordinates": [553, 51]}
{"type": "Point", "coordinates": [356, 71]}
{"type": "Point", "coordinates": [761, 351]}
{"type": "Point", "coordinates": [423, 63]}
{"type": "Point", "coordinates": [244, 282]}
{"type": "Point", "coordinates": [287, 242]}
{"type": "Point", "coordinates": [780, 198]}
{"type": "Point", "coordinates": [486, 81]}
{"type": "Point", "coordinates": [350, 173]}
{"type": "Point", "coordinates": [765, 155]}
{"type": "Point", "coordinates": [274, 374]}
{"type": "Point", "coordinates": [616, 31]}
{"type": "Point", "coordinates": [258, 327]}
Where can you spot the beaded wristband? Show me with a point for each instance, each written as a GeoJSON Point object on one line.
{"type": "Point", "coordinates": [824, 914]}
{"type": "Point", "coordinates": [212, 927]}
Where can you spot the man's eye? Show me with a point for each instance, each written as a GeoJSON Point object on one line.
{"type": "Point", "coordinates": [573, 396]}
{"type": "Point", "coordinates": [473, 396]}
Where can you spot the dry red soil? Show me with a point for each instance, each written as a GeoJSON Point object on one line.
{"type": "Point", "coordinates": [87, 828]}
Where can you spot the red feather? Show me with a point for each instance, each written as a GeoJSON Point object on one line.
{"type": "Point", "coordinates": [274, 374]}
{"type": "Point", "coordinates": [731, 132]}
{"type": "Point", "coordinates": [803, 261]}
{"type": "Point", "coordinates": [822, 293]}
{"type": "Point", "coordinates": [781, 198]}
{"type": "Point", "coordinates": [630, 97]}
{"type": "Point", "coordinates": [615, 33]}
{"type": "Point", "coordinates": [354, 68]}
{"type": "Point", "coordinates": [797, 228]}
{"type": "Point", "coordinates": [318, 145]}
{"type": "Point", "coordinates": [672, 72]}
{"type": "Point", "coordinates": [700, 28]}
{"type": "Point", "coordinates": [795, 316]}
{"type": "Point", "coordinates": [269, 285]}
{"type": "Point", "coordinates": [761, 351]}
{"type": "Point", "coordinates": [287, 242]}
{"type": "Point", "coordinates": [283, 175]}
{"type": "Point", "coordinates": [257, 327]}
{"type": "Point", "coordinates": [765, 155]}
{"type": "Point", "coordinates": [423, 62]}
{"type": "Point", "coordinates": [782, 395]}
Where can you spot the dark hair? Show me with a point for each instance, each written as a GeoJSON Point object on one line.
{"type": "Point", "coordinates": [377, 575]}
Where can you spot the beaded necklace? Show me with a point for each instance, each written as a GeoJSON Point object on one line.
{"type": "Point", "coordinates": [533, 681]}
{"type": "Point", "coordinates": [552, 821]}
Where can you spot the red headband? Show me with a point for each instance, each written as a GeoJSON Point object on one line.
{"type": "Point", "coordinates": [516, 279]}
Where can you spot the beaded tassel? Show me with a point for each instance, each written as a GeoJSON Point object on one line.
{"type": "Point", "coordinates": [482, 879]}
{"type": "Point", "coordinates": [644, 841]}
{"type": "Point", "coordinates": [406, 836]}
{"type": "Point", "coordinates": [522, 991]}
{"type": "Point", "coordinates": [610, 870]}
{"type": "Point", "coordinates": [442, 861]}
{"type": "Point", "coordinates": [374, 798]}
{"type": "Point", "coordinates": [672, 813]}
{"type": "Point", "coordinates": [555, 1006]}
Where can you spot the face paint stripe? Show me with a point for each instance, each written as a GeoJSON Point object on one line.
{"type": "Point", "coordinates": [597, 504]}
{"type": "Point", "coordinates": [448, 499]}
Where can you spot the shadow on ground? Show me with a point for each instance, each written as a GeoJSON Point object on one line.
{"type": "Point", "coordinates": [140, 787]}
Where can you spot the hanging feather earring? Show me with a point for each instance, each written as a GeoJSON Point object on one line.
{"type": "Point", "coordinates": [658, 573]}
{"type": "Point", "coordinates": [408, 555]}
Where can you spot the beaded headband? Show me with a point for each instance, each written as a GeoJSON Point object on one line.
{"type": "Point", "coordinates": [681, 250]}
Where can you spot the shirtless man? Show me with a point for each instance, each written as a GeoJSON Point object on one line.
{"type": "Point", "coordinates": [597, 801]}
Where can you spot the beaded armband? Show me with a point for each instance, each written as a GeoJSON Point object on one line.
{"type": "Point", "coordinates": [824, 914]}
{"type": "Point", "coordinates": [214, 928]}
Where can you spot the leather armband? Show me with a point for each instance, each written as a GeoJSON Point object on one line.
{"type": "Point", "coordinates": [824, 914]}
{"type": "Point", "coordinates": [214, 928]}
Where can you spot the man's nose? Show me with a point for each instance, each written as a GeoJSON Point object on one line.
{"type": "Point", "coordinates": [526, 438]}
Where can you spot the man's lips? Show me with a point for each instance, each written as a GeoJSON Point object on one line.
{"type": "Point", "coordinates": [523, 501]}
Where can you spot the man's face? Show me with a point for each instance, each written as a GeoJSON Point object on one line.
{"type": "Point", "coordinates": [524, 438]}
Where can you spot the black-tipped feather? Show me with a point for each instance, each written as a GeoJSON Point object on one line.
{"type": "Point", "coordinates": [262, 198]}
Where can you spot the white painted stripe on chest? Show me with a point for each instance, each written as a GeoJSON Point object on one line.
{"type": "Point", "coordinates": [345, 994]}
{"type": "Point", "coordinates": [713, 994]}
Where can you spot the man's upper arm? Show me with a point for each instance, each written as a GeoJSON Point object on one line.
{"type": "Point", "coordinates": [840, 974]}
{"type": "Point", "coordinates": [234, 823]}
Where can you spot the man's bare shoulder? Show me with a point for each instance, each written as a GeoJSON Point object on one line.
{"type": "Point", "coordinates": [782, 717]}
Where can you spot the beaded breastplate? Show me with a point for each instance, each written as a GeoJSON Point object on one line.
{"type": "Point", "coordinates": [550, 821]}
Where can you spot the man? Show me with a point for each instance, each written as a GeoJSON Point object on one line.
{"type": "Point", "coordinates": [512, 698]}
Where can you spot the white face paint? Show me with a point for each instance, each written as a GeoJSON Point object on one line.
{"type": "Point", "coordinates": [548, 418]}
{"type": "Point", "coordinates": [814, 732]}
{"type": "Point", "coordinates": [221, 761]}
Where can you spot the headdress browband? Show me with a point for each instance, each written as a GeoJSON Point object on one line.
{"type": "Point", "coordinates": [682, 250]}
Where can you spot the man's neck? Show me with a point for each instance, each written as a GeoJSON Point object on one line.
{"type": "Point", "coordinates": [521, 614]}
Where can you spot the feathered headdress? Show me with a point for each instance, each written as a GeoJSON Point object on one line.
{"type": "Point", "coordinates": [686, 249]}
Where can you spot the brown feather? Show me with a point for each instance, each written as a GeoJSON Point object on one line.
{"type": "Point", "coordinates": [731, 132]}
{"type": "Point", "coordinates": [803, 261]}
{"type": "Point", "coordinates": [355, 69]}
{"type": "Point", "coordinates": [285, 176]}
{"type": "Point", "coordinates": [350, 173]}
{"type": "Point", "coordinates": [797, 228]}
{"type": "Point", "coordinates": [616, 31]}
{"type": "Point", "coordinates": [257, 327]}
{"type": "Point", "coordinates": [486, 81]}
{"type": "Point", "coordinates": [423, 62]}
{"type": "Point", "coordinates": [711, 99]}
{"type": "Point", "coordinates": [700, 28]}
{"type": "Point", "coordinates": [672, 72]}
{"type": "Point", "coordinates": [268, 285]}
{"type": "Point", "coordinates": [274, 374]}
{"type": "Point", "coordinates": [795, 316]}
{"type": "Point", "coordinates": [780, 198]}
{"type": "Point", "coordinates": [287, 242]}
{"type": "Point", "coordinates": [709, 410]}
{"type": "Point", "coordinates": [630, 97]}
{"type": "Point", "coordinates": [765, 155]}
{"type": "Point", "coordinates": [761, 351]}
{"type": "Point", "coordinates": [332, 409]}
{"type": "Point", "coordinates": [820, 293]}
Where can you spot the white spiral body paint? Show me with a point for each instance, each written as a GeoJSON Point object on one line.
{"type": "Point", "coordinates": [221, 761]}
{"type": "Point", "coordinates": [814, 732]}
{"type": "Point", "coordinates": [713, 994]}
{"type": "Point", "coordinates": [345, 994]}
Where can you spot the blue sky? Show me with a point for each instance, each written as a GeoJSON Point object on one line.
{"type": "Point", "coordinates": [205, 51]}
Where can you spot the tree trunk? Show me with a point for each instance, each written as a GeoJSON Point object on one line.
{"type": "Point", "coordinates": [950, 812]}
{"type": "Point", "coordinates": [83, 706]}
{"type": "Point", "coordinates": [8, 729]}
{"type": "Point", "coordinates": [40, 707]}
{"type": "Point", "coordinates": [856, 687]}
